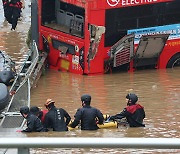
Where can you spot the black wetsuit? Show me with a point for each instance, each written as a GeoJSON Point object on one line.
{"type": "Point", "coordinates": [88, 116]}
{"type": "Point", "coordinates": [33, 124]}
{"type": "Point", "coordinates": [5, 7]}
{"type": "Point", "coordinates": [55, 119]}
{"type": "Point", "coordinates": [13, 12]}
{"type": "Point", "coordinates": [134, 115]}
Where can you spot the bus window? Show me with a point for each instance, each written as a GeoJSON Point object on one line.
{"type": "Point", "coordinates": [171, 14]}
{"type": "Point", "coordinates": [48, 12]}
{"type": "Point", "coordinates": [63, 47]}
{"type": "Point", "coordinates": [118, 21]}
{"type": "Point", "coordinates": [149, 21]}
{"type": "Point", "coordinates": [63, 17]}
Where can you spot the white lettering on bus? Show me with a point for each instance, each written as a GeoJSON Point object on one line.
{"type": "Point", "coordinates": [170, 31]}
{"type": "Point", "coordinates": [178, 31]}
{"type": "Point", "coordinates": [134, 2]}
{"type": "Point", "coordinates": [113, 3]}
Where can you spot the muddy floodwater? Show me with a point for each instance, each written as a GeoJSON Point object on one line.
{"type": "Point", "coordinates": [158, 92]}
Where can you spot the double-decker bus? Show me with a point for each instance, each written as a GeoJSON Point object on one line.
{"type": "Point", "coordinates": [96, 36]}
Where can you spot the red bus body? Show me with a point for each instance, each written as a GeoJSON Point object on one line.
{"type": "Point", "coordinates": [80, 34]}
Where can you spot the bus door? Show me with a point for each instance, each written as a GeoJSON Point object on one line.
{"type": "Point", "coordinates": [122, 52]}
{"type": "Point", "coordinates": [96, 33]}
{"type": "Point", "coordinates": [95, 37]}
{"type": "Point", "coordinates": [149, 50]}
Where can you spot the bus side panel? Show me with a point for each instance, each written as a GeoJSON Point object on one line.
{"type": "Point", "coordinates": [171, 48]}
{"type": "Point", "coordinates": [97, 64]}
{"type": "Point", "coordinates": [56, 59]}
{"type": "Point", "coordinates": [40, 45]}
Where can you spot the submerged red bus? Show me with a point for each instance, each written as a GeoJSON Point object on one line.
{"type": "Point", "coordinates": [97, 36]}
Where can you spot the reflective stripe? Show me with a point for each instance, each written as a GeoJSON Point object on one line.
{"type": "Point", "coordinates": [59, 114]}
{"type": "Point", "coordinates": [18, 5]}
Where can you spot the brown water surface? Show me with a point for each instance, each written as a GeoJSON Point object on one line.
{"type": "Point", "coordinates": [158, 91]}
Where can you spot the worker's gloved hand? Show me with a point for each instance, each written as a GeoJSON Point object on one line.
{"type": "Point", "coordinates": [112, 118]}
{"type": "Point", "coordinates": [12, 93]}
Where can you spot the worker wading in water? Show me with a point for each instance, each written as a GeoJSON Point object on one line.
{"type": "Point", "coordinates": [134, 112]}
{"type": "Point", "coordinates": [33, 122]}
{"type": "Point", "coordinates": [56, 119]}
{"type": "Point", "coordinates": [88, 116]}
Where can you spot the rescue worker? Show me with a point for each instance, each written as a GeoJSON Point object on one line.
{"type": "Point", "coordinates": [134, 113]}
{"type": "Point", "coordinates": [38, 112]}
{"type": "Point", "coordinates": [5, 7]}
{"type": "Point", "coordinates": [89, 116]}
{"type": "Point", "coordinates": [33, 122]}
{"type": "Point", "coordinates": [55, 118]}
{"type": "Point", "coordinates": [13, 12]}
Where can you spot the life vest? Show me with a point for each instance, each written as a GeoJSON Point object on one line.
{"type": "Point", "coordinates": [16, 3]}
{"type": "Point", "coordinates": [43, 115]}
{"type": "Point", "coordinates": [133, 108]}
{"type": "Point", "coordinates": [136, 116]}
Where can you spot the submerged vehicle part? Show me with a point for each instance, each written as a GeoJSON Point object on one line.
{"type": "Point", "coordinates": [174, 61]}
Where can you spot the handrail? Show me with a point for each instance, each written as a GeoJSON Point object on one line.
{"type": "Point", "coordinates": [86, 142]}
{"type": "Point", "coordinates": [31, 52]}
